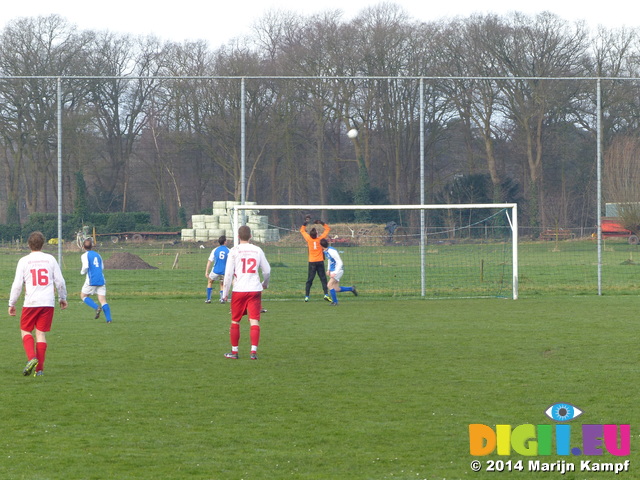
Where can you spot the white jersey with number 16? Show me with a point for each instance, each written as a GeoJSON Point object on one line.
{"type": "Point", "coordinates": [40, 273]}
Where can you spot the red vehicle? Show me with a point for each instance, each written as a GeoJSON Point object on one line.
{"type": "Point", "coordinates": [612, 227]}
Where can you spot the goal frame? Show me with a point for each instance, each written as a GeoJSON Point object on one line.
{"type": "Point", "coordinates": [513, 224]}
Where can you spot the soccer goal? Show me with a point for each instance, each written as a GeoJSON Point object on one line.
{"type": "Point", "coordinates": [431, 251]}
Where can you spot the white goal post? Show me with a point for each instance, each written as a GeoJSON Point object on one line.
{"type": "Point", "coordinates": [511, 210]}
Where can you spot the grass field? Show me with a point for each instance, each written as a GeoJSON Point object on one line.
{"type": "Point", "coordinates": [373, 389]}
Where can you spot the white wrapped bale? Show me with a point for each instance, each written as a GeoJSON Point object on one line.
{"type": "Point", "coordinates": [265, 235]}
{"type": "Point", "coordinates": [201, 234]}
{"type": "Point", "coordinates": [258, 221]}
{"type": "Point", "coordinates": [187, 235]}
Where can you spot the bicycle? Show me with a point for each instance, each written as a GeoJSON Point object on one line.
{"type": "Point", "coordinates": [82, 235]}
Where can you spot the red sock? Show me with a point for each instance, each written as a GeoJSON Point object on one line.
{"type": "Point", "coordinates": [41, 352]}
{"type": "Point", "coordinates": [29, 346]}
{"type": "Point", "coordinates": [234, 333]}
{"type": "Point", "coordinates": [254, 333]}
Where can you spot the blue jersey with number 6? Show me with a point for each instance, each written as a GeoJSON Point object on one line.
{"type": "Point", "coordinates": [220, 255]}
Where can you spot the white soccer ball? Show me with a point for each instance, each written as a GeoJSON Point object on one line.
{"type": "Point", "coordinates": [353, 133]}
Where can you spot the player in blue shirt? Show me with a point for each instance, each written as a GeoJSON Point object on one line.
{"type": "Point", "coordinates": [218, 259]}
{"type": "Point", "coordinates": [336, 270]}
{"type": "Point", "coordinates": [94, 283]}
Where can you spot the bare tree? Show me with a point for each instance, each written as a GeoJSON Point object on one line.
{"type": "Point", "coordinates": [467, 48]}
{"type": "Point", "coordinates": [120, 105]}
{"type": "Point", "coordinates": [529, 50]}
{"type": "Point", "coordinates": [33, 47]}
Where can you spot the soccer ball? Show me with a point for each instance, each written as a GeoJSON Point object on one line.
{"type": "Point", "coordinates": [353, 133]}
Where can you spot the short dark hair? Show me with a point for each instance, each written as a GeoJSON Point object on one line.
{"type": "Point", "coordinates": [324, 243]}
{"type": "Point", "coordinates": [313, 233]}
{"type": "Point", "coordinates": [222, 239]}
{"type": "Point", "coordinates": [88, 243]}
{"type": "Point", "coordinates": [244, 233]}
{"type": "Point", "coordinates": [36, 241]}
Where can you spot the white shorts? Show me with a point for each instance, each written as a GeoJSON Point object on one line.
{"type": "Point", "coordinates": [216, 276]}
{"type": "Point", "coordinates": [336, 275]}
{"type": "Point", "coordinates": [94, 290]}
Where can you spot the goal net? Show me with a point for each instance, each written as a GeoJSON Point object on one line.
{"type": "Point", "coordinates": [431, 251]}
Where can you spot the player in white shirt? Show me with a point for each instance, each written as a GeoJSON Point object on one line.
{"type": "Point", "coordinates": [244, 262]}
{"type": "Point", "coordinates": [336, 270]}
{"type": "Point", "coordinates": [40, 273]}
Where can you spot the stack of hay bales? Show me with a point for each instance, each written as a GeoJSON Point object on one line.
{"type": "Point", "coordinates": [210, 227]}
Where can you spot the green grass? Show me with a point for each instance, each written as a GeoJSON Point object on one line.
{"type": "Point", "coordinates": [452, 270]}
{"type": "Point", "coordinates": [373, 389]}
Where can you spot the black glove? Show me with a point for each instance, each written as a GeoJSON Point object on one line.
{"type": "Point", "coordinates": [318, 222]}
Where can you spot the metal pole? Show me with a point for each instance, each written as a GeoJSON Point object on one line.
{"type": "Point", "coordinates": [599, 178]}
{"type": "Point", "coordinates": [514, 242]}
{"type": "Point", "coordinates": [422, 225]}
{"type": "Point", "coordinates": [59, 101]}
{"type": "Point", "coordinates": [243, 186]}
{"type": "Point", "coordinates": [242, 140]}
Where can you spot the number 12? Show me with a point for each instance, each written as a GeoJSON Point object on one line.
{"type": "Point", "coordinates": [249, 265]}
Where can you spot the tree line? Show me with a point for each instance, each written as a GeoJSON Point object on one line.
{"type": "Point", "coordinates": [505, 107]}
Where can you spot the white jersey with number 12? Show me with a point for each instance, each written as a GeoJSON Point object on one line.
{"type": "Point", "coordinates": [243, 266]}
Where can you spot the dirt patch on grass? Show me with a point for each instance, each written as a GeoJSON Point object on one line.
{"type": "Point", "coordinates": [126, 261]}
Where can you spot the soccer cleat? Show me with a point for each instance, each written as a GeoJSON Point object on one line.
{"type": "Point", "coordinates": [263, 310]}
{"type": "Point", "coordinates": [28, 368]}
{"type": "Point", "coordinates": [108, 321]}
{"type": "Point", "coordinates": [39, 373]}
{"type": "Point", "coordinates": [327, 298]}
{"type": "Point", "coordinates": [306, 299]}
{"type": "Point", "coordinates": [333, 304]}
{"type": "Point", "coordinates": [222, 301]}
{"type": "Point", "coordinates": [207, 301]}
{"type": "Point", "coordinates": [98, 310]}
{"type": "Point", "coordinates": [355, 292]}
{"type": "Point", "coordinates": [254, 356]}
{"type": "Point", "coordinates": [231, 355]}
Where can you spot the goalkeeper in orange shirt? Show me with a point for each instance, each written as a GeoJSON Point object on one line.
{"type": "Point", "coordinates": [316, 256]}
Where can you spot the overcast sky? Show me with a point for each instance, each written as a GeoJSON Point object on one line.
{"type": "Point", "coordinates": [219, 21]}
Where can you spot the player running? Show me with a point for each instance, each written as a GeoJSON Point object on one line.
{"type": "Point", "coordinates": [39, 272]}
{"type": "Point", "coordinates": [94, 283]}
{"type": "Point", "coordinates": [243, 264]}
{"type": "Point", "coordinates": [336, 270]}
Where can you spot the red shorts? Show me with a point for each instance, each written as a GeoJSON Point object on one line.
{"type": "Point", "coordinates": [246, 303]}
{"type": "Point", "coordinates": [39, 318]}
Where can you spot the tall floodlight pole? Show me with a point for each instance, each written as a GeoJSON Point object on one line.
{"type": "Point", "coordinates": [59, 102]}
{"type": "Point", "coordinates": [422, 226]}
{"type": "Point", "coordinates": [243, 187]}
{"type": "Point", "coordinates": [242, 142]}
{"type": "Point", "coordinates": [599, 178]}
